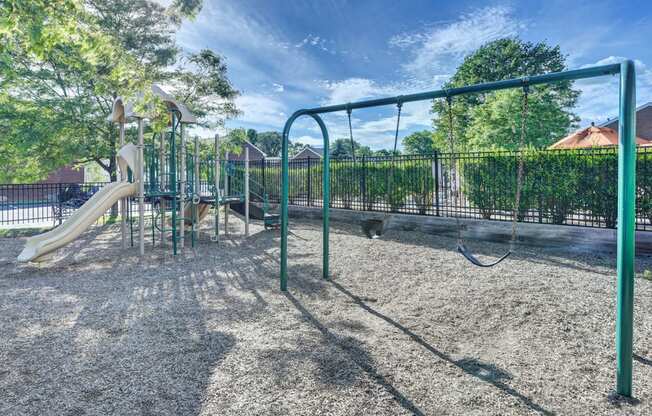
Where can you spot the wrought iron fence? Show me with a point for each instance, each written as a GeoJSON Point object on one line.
{"type": "Point", "coordinates": [559, 187]}
{"type": "Point", "coordinates": [42, 203]}
{"type": "Point", "coordinates": [569, 187]}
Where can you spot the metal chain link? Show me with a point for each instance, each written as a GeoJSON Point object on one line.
{"type": "Point", "coordinates": [348, 113]}
{"type": "Point", "coordinates": [453, 173]}
{"type": "Point", "coordinates": [521, 163]}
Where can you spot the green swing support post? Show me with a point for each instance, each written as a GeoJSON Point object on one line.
{"type": "Point", "coordinates": [626, 228]}
{"type": "Point", "coordinates": [626, 186]}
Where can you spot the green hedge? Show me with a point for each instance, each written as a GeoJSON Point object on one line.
{"type": "Point", "coordinates": [556, 185]}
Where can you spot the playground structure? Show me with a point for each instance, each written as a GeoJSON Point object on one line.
{"type": "Point", "coordinates": [626, 186]}
{"type": "Point", "coordinates": [170, 175]}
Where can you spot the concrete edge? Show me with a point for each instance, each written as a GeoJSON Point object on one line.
{"type": "Point", "coordinates": [565, 237]}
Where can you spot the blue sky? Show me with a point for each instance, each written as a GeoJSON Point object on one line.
{"type": "Point", "coordinates": [286, 55]}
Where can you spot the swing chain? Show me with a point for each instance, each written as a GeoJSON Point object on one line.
{"type": "Point", "coordinates": [348, 113]}
{"type": "Point", "coordinates": [521, 161]}
{"type": "Point", "coordinates": [399, 105]}
{"type": "Point", "coordinates": [453, 173]}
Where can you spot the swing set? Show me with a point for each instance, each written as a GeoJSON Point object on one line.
{"type": "Point", "coordinates": [626, 184]}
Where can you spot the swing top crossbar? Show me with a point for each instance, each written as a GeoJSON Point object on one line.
{"type": "Point", "coordinates": [552, 77]}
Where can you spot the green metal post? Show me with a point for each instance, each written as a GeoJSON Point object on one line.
{"type": "Point", "coordinates": [285, 194]}
{"type": "Point", "coordinates": [626, 228]}
{"type": "Point", "coordinates": [183, 177]}
{"type": "Point", "coordinates": [216, 195]}
{"type": "Point", "coordinates": [196, 191]}
{"type": "Point", "coordinates": [326, 206]}
{"type": "Point", "coordinates": [285, 177]}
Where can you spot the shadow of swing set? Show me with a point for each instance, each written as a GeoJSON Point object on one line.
{"type": "Point", "coordinates": [626, 185]}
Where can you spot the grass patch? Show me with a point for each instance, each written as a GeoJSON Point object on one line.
{"type": "Point", "coordinates": [647, 274]}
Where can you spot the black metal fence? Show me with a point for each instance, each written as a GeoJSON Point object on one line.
{"type": "Point", "coordinates": [43, 203]}
{"type": "Point", "coordinates": [568, 187]}
{"type": "Point", "coordinates": [559, 187]}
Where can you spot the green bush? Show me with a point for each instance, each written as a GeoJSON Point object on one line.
{"type": "Point", "coordinates": [556, 185]}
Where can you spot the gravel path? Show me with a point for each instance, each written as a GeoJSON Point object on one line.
{"type": "Point", "coordinates": [406, 326]}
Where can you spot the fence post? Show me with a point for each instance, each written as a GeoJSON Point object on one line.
{"type": "Point", "coordinates": [435, 175]}
{"type": "Point", "coordinates": [309, 184]}
{"type": "Point", "coordinates": [60, 202]}
{"type": "Point", "coordinates": [263, 176]}
{"type": "Point", "coordinates": [363, 183]}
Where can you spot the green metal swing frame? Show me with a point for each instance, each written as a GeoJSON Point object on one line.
{"type": "Point", "coordinates": [626, 186]}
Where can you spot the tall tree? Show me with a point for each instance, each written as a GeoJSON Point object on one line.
{"type": "Point", "coordinates": [499, 60]}
{"type": "Point", "coordinates": [54, 62]}
{"type": "Point", "coordinates": [342, 148]}
{"type": "Point", "coordinates": [270, 142]}
{"type": "Point", "coordinates": [234, 142]}
{"type": "Point", "coordinates": [252, 136]}
{"type": "Point", "coordinates": [387, 153]}
{"type": "Point", "coordinates": [294, 148]}
{"type": "Point", "coordinates": [496, 123]}
{"type": "Point", "coordinates": [64, 61]}
{"type": "Point", "coordinates": [419, 143]}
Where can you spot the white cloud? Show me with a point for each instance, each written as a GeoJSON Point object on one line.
{"type": "Point", "coordinates": [262, 110]}
{"type": "Point", "coordinates": [278, 87]}
{"type": "Point", "coordinates": [600, 96]}
{"type": "Point", "coordinates": [352, 89]}
{"type": "Point", "coordinates": [373, 127]}
{"type": "Point", "coordinates": [256, 52]}
{"type": "Point", "coordinates": [309, 140]}
{"type": "Point", "coordinates": [442, 46]}
{"type": "Point", "coordinates": [317, 42]}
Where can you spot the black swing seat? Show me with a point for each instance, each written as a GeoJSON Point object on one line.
{"type": "Point", "coordinates": [470, 257]}
{"type": "Point", "coordinates": [373, 228]}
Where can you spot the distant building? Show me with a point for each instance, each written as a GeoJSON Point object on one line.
{"type": "Point", "coordinates": [66, 174]}
{"type": "Point", "coordinates": [254, 153]}
{"type": "Point", "coordinates": [44, 190]}
{"type": "Point", "coordinates": [310, 152]}
{"type": "Point", "coordinates": [643, 122]}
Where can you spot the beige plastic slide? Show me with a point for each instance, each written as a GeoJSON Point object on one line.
{"type": "Point", "coordinates": [78, 222]}
{"type": "Point", "coordinates": [88, 214]}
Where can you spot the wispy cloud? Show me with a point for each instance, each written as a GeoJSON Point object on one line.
{"type": "Point", "coordinates": [440, 47]}
{"type": "Point", "coordinates": [255, 50]}
{"type": "Point", "coordinates": [377, 131]}
{"type": "Point", "coordinates": [317, 42]}
{"type": "Point", "coordinates": [261, 110]}
{"type": "Point", "coordinates": [599, 99]}
{"type": "Point", "coordinates": [309, 140]}
{"type": "Point", "coordinates": [352, 89]}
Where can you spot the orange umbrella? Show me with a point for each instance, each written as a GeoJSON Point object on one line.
{"type": "Point", "coordinates": [593, 136]}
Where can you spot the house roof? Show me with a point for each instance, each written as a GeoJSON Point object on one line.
{"type": "Point", "coordinates": [256, 147]}
{"type": "Point", "coordinates": [615, 119]}
{"type": "Point", "coordinates": [317, 151]}
{"type": "Point", "coordinates": [254, 152]}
